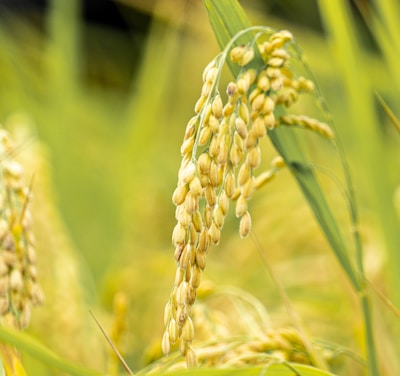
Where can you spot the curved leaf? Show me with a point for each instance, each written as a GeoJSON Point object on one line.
{"type": "Point", "coordinates": [26, 344]}
{"type": "Point", "coordinates": [227, 19]}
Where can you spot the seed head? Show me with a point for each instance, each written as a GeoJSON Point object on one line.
{"type": "Point", "coordinates": [19, 290]}
{"type": "Point", "coordinates": [220, 152]}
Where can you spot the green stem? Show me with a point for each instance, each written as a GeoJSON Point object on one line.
{"type": "Point", "coordinates": [369, 336]}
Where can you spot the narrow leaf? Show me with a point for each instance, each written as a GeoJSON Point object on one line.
{"type": "Point", "coordinates": [390, 114]}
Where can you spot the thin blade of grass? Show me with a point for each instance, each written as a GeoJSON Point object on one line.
{"type": "Point", "coordinates": [113, 347]}
{"type": "Point", "coordinates": [390, 114]}
{"type": "Point", "coordinates": [27, 344]}
{"type": "Point", "coordinates": [227, 19]}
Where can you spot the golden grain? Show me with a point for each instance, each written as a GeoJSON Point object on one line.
{"type": "Point", "coordinates": [199, 104]}
{"type": "Point", "coordinates": [213, 123]}
{"type": "Point", "coordinates": [186, 257]}
{"type": "Point", "coordinates": [187, 173]}
{"type": "Point", "coordinates": [257, 103]}
{"type": "Point", "coordinates": [181, 314]}
{"type": "Point", "coordinates": [241, 206]}
{"type": "Point", "coordinates": [236, 155]}
{"type": "Point", "coordinates": [210, 195]}
{"type": "Point", "coordinates": [251, 139]}
{"type": "Point", "coordinates": [219, 217]}
{"type": "Point", "coordinates": [253, 158]}
{"type": "Point", "coordinates": [258, 128]}
{"type": "Point", "coordinates": [214, 174]}
{"type": "Point", "coordinates": [269, 121]}
{"type": "Point", "coordinates": [224, 149]}
{"type": "Point", "coordinates": [179, 194]}
{"type": "Point", "coordinates": [214, 147]}
{"type": "Point", "coordinates": [195, 278]}
{"type": "Point", "coordinates": [230, 185]}
{"type": "Point", "coordinates": [188, 330]}
{"type": "Point", "coordinates": [237, 53]}
{"type": "Point", "coordinates": [244, 174]}
{"type": "Point", "coordinates": [179, 275]}
{"type": "Point", "coordinates": [204, 163]}
{"type": "Point", "coordinates": [278, 162]}
{"type": "Point", "coordinates": [205, 135]}
{"type": "Point", "coordinates": [173, 331]}
{"type": "Point", "coordinates": [223, 202]}
{"type": "Point", "coordinates": [214, 233]}
{"type": "Point", "coordinates": [201, 260]}
{"type": "Point", "coordinates": [195, 186]}
{"type": "Point", "coordinates": [192, 234]}
{"type": "Point", "coordinates": [187, 146]}
{"type": "Point", "coordinates": [178, 235]}
{"type": "Point", "coordinates": [183, 216]}
{"type": "Point", "coordinates": [208, 215]}
{"type": "Point", "coordinates": [268, 105]}
{"type": "Point", "coordinates": [166, 344]}
{"type": "Point", "coordinates": [248, 188]}
{"type": "Point", "coordinates": [191, 202]}
{"type": "Point", "coordinates": [181, 293]}
{"type": "Point", "coordinates": [247, 57]}
{"type": "Point", "coordinates": [241, 127]}
{"type": "Point", "coordinates": [197, 221]}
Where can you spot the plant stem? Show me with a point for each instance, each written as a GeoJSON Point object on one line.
{"type": "Point", "coordinates": [369, 335]}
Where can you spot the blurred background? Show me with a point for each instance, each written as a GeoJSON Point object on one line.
{"type": "Point", "coordinates": [99, 93]}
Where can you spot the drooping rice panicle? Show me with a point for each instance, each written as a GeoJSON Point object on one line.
{"type": "Point", "coordinates": [221, 152]}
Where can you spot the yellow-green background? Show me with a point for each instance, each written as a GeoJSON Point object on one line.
{"type": "Point", "coordinates": [104, 111]}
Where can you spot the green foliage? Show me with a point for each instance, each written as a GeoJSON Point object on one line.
{"type": "Point", "coordinates": [112, 158]}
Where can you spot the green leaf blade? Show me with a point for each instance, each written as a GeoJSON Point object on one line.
{"type": "Point", "coordinates": [227, 18]}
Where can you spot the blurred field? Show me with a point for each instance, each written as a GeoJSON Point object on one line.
{"type": "Point", "coordinates": [101, 111]}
